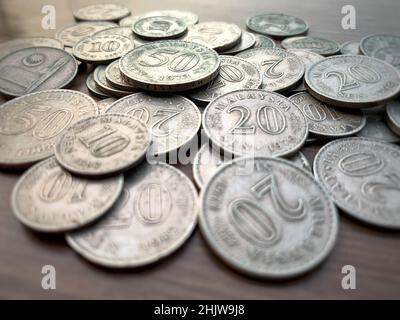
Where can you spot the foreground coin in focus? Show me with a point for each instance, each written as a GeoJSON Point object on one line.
{"type": "Point", "coordinates": [393, 116]}
{"type": "Point", "coordinates": [158, 28]}
{"type": "Point", "coordinates": [247, 41]}
{"type": "Point", "coordinates": [21, 43]}
{"type": "Point", "coordinates": [320, 46]}
{"type": "Point", "coordinates": [101, 12]}
{"type": "Point", "coordinates": [350, 47]}
{"type": "Point", "coordinates": [187, 17]}
{"type": "Point", "coordinates": [376, 128]}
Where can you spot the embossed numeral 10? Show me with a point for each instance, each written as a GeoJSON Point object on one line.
{"type": "Point", "coordinates": [109, 46]}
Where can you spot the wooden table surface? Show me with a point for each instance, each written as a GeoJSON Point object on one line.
{"type": "Point", "coordinates": [193, 271]}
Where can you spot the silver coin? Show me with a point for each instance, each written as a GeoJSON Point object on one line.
{"type": "Point", "coordinates": [159, 27]}
{"type": "Point", "coordinates": [155, 216]}
{"type": "Point", "coordinates": [170, 65]}
{"type": "Point", "coordinates": [115, 79]}
{"type": "Point", "coordinates": [101, 12]}
{"type": "Point", "coordinates": [102, 83]}
{"type": "Point", "coordinates": [393, 116]}
{"type": "Point", "coordinates": [234, 74]}
{"type": "Point", "coordinates": [247, 41]}
{"type": "Point", "coordinates": [36, 69]}
{"type": "Point", "coordinates": [317, 45]}
{"type": "Point", "coordinates": [277, 25]}
{"type": "Point", "coordinates": [353, 81]}
{"type": "Point", "coordinates": [376, 128]}
{"type": "Point", "coordinates": [255, 123]}
{"type": "Point", "coordinates": [48, 199]}
{"type": "Point", "coordinates": [281, 70]}
{"type": "Point", "coordinates": [104, 104]}
{"type": "Point", "coordinates": [188, 17]}
{"type": "Point", "coordinates": [173, 120]}
{"type": "Point", "coordinates": [326, 121]}
{"type": "Point", "coordinates": [92, 87]}
{"type": "Point", "coordinates": [350, 47]}
{"type": "Point", "coordinates": [361, 177]}
{"type": "Point", "coordinates": [121, 31]}
{"type": "Point", "coordinates": [10, 46]}
{"type": "Point", "coordinates": [268, 218]}
{"type": "Point", "coordinates": [300, 160]}
{"type": "Point", "coordinates": [263, 41]}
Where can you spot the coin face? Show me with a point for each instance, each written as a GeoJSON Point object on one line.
{"type": "Point", "coordinates": [278, 224]}
{"type": "Point", "coordinates": [173, 120]}
{"type": "Point", "coordinates": [103, 144]}
{"type": "Point", "coordinates": [320, 46]}
{"type": "Point", "coordinates": [10, 46]}
{"type": "Point", "coordinates": [187, 17]}
{"type": "Point", "coordinates": [170, 65]}
{"type": "Point", "coordinates": [263, 41]}
{"type": "Point", "coordinates": [114, 77]}
{"type": "Point", "coordinates": [255, 122]}
{"type": "Point", "coordinates": [155, 216]}
{"type": "Point", "coordinates": [350, 47]}
{"type": "Point", "coordinates": [102, 49]}
{"type": "Point", "coordinates": [281, 70]}
{"type": "Point", "coordinates": [361, 177]}
{"type": "Point", "coordinates": [393, 116]}
{"type": "Point", "coordinates": [102, 12]}
{"type": "Point", "coordinates": [92, 87]}
{"type": "Point", "coordinates": [277, 25]}
{"type": "Point", "coordinates": [326, 121]}
{"type": "Point", "coordinates": [352, 81]}
{"type": "Point", "coordinates": [247, 41]}
{"type": "Point", "coordinates": [49, 199]}
{"type": "Point", "coordinates": [216, 35]}
{"type": "Point", "coordinates": [376, 128]}
{"type": "Point", "coordinates": [101, 82]}
{"type": "Point", "coordinates": [121, 31]}
{"type": "Point", "coordinates": [159, 27]}
{"type": "Point", "coordinates": [31, 125]}
{"type": "Point", "coordinates": [36, 69]}
{"type": "Point", "coordinates": [104, 104]}
{"type": "Point", "coordinates": [234, 74]}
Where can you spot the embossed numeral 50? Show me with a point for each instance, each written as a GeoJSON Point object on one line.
{"type": "Point", "coordinates": [181, 63]}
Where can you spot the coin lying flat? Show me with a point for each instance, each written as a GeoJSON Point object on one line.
{"type": "Point", "coordinates": [277, 25]}
{"type": "Point", "coordinates": [281, 70]}
{"type": "Point", "coordinates": [93, 88]}
{"type": "Point", "coordinates": [393, 116]}
{"type": "Point", "coordinates": [49, 199]}
{"type": "Point", "coordinates": [172, 119]}
{"type": "Point", "coordinates": [255, 122]}
{"type": "Point", "coordinates": [278, 224]}
{"type": "Point", "coordinates": [234, 74]}
{"type": "Point", "coordinates": [361, 176]}
{"type": "Point", "coordinates": [187, 17]}
{"type": "Point", "coordinates": [36, 69]}
{"type": "Point", "coordinates": [101, 81]}
{"type": "Point", "coordinates": [317, 45]}
{"type": "Point", "coordinates": [350, 47]}
{"type": "Point", "coordinates": [104, 104]}
{"type": "Point", "coordinates": [326, 121]}
{"type": "Point", "coordinates": [376, 128]}
{"type": "Point", "coordinates": [159, 27]}
{"type": "Point", "coordinates": [31, 125]}
{"type": "Point", "coordinates": [263, 42]}
{"type": "Point", "coordinates": [121, 31]}
{"type": "Point", "coordinates": [103, 144]}
{"type": "Point", "coordinates": [247, 41]}
{"type": "Point", "coordinates": [155, 216]}
{"type": "Point", "coordinates": [114, 77]}
{"type": "Point", "coordinates": [353, 81]}
{"type": "Point", "coordinates": [10, 46]}
{"type": "Point", "coordinates": [101, 12]}
{"type": "Point", "coordinates": [170, 65]}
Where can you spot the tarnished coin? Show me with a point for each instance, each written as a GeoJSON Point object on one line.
{"type": "Point", "coordinates": [155, 216]}
{"type": "Point", "coordinates": [353, 81]}
{"type": "Point", "coordinates": [103, 144]}
{"type": "Point", "coordinates": [281, 70]}
{"type": "Point", "coordinates": [101, 82]}
{"type": "Point", "coordinates": [247, 41]}
{"type": "Point", "coordinates": [102, 49]}
{"type": "Point", "coordinates": [268, 218]}
{"type": "Point", "coordinates": [115, 79]}
{"type": "Point", "coordinates": [104, 104]}
{"type": "Point", "coordinates": [326, 121]}
{"type": "Point", "coordinates": [350, 47]}
{"type": "Point", "coordinates": [31, 125]}
{"type": "Point", "coordinates": [216, 35]}
{"type": "Point", "coordinates": [172, 119]}
{"type": "Point", "coordinates": [71, 35]}
{"type": "Point", "coordinates": [170, 65]}
{"type": "Point", "coordinates": [362, 178]}
{"type": "Point", "coordinates": [187, 17]}
{"type": "Point", "coordinates": [255, 123]}
{"type": "Point", "coordinates": [93, 88]}
{"type": "Point", "coordinates": [376, 128]}
{"type": "Point", "coordinates": [393, 116]}
{"type": "Point", "coordinates": [383, 47]}
{"type": "Point", "coordinates": [49, 199]}
{"type": "Point", "coordinates": [102, 12]}
{"type": "Point", "coordinates": [234, 74]}
{"type": "Point", "coordinates": [277, 25]}
{"type": "Point", "coordinates": [159, 27]}
{"type": "Point", "coordinates": [21, 43]}
{"type": "Point", "coordinates": [320, 46]}
{"type": "Point", "coordinates": [36, 69]}
{"type": "Point", "coordinates": [263, 42]}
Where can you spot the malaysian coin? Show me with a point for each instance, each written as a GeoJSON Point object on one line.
{"type": "Point", "coordinates": [234, 74]}
{"type": "Point", "coordinates": [350, 47]}
{"type": "Point", "coordinates": [353, 81]}
{"type": "Point", "coordinates": [155, 216]}
{"type": "Point", "coordinates": [79, 63]}
{"type": "Point", "coordinates": [300, 160]}
{"type": "Point", "coordinates": [104, 104]}
{"type": "Point", "coordinates": [49, 199]}
{"type": "Point", "coordinates": [281, 70]}
{"type": "Point", "coordinates": [31, 125]}
{"type": "Point", "coordinates": [263, 42]}
{"type": "Point", "coordinates": [277, 25]}
{"type": "Point", "coordinates": [103, 144]}
{"type": "Point", "coordinates": [158, 28]}
{"type": "Point", "coordinates": [247, 41]}
{"type": "Point", "coordinates": [173, 120]}
{"type": "Point", "coordinates": [115, 79]}
{"type": "Point", "coordinates": [376, 128]}
{"type": "Point", "coordinates": [187, 17]}
{"type": "Point", "coordinates": [21, 43]}
{"type": "Point", "coordinates": [255, 123]}
{"type": "Point", "coordinates": [393, 116]}
{"type": "Point", "coordinates": [325, 121]}
{"type": "Point", "coordinates": [361, 177]}
{"type": "Point", "coordinates": [36, 69]}
{"type": "Point", "coordinates": [102, 83]}
{"type": "Point", "coordinates": [216, 35]}
{"type": "Point", "coordinates": [125, 32]}
{"type": "Point", "coordinates": [317, 45]}
{"type": "Point", "coordinates": [102, 49]}
{"type": "Point", "coordinates": [93, 88]}
{"type": "Point", "coordinates": [183, 66]}
{"type": "Point", "coordinates": [102, 12]}
{"type": "Point", "coordinates": [267, 218]}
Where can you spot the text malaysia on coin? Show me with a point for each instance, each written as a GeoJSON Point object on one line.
{"type": "Point", "coordinates": [31, 125]}
{"type": "Point", "coordinates": [278, 224]}
{"type": "Point", "coordinates": [173, 120]}
{"type": "Point", "coordinates": [154, 217]}
{"type": "Point", "coordinates": [362, 178]}
{"type": "Point", "coordinates": [21, 43]}
{"type": "Point", "coordinates": [320, 46]}
{"type": "Point", "coordinates": [170, 65]}
{"type": "Point", "coordinates": [188, 17]}
{"type": "Point", "coordinates": [353, 81]}
{"type": "Point", "coordinates": [158, 28]}
{"type": "Point", "coordinates": [393, 116]}
{"type": "Point", "coordinates": [255, 122]}
{"type": "Point", "coordinates": [103, 144]}
{"type": "Point", "coordinates": [101, 12]}
{"type": "Point", "coordinates": [49, 199]}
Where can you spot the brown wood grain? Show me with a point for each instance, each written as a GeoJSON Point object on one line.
{"type": "Point", "coordinates": [193, 271]}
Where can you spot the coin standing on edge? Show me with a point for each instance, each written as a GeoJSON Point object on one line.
{"type": "Point", "coordinates": [101, 12]}
{"type": "Point", "coordinates": [321, 46]}
{"type": "Point", "coordinates": [393, 116]}
{"type": "Point", "coordinates": [158, 28]}
{"type": "Point", "coordinates": [247, 41]}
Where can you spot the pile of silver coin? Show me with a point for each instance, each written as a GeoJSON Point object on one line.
{"type": "Point", "coordinates": [165, 80]}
